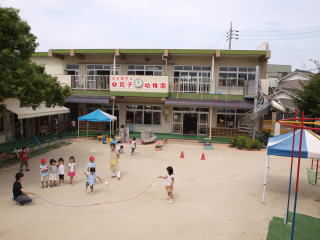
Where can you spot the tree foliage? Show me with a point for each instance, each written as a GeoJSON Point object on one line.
{"type": "Point", "coordinates": [309, 98]}
{"type": "Point", "coordinates": [19, 76]}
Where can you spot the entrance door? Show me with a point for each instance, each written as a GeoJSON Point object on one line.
{"type": "Point", "coordinates": [203, 123]}
{"type": "Point", "coordinates": [177, 122]}
{"type": "Point", "coordinates": [190, 121]}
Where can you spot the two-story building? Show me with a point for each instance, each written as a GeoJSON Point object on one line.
{"type": "Point", "coordinates": [183, 91]}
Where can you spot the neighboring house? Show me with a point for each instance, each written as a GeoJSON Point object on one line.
{"type": "Point", "coordinates": [288, 87]}
{"type": "Point", "coordinates": [276, 72]}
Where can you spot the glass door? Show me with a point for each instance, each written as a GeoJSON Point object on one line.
{"type": "Point", "coordinates": [177, 123]}
{"type": "Point", "coordinates": [203, 123]}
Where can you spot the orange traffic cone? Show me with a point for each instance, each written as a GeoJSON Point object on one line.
{"type": "Point", "coordinates": [203, 157]}
{"type": "Point", "coordinates": [182, 154]}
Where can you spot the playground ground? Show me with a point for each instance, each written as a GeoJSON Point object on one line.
{"type": "Point", "coordinates": [218, 198]}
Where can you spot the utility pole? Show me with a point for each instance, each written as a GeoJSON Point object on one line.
{"type": "Point", "coordinates": [232, 34]}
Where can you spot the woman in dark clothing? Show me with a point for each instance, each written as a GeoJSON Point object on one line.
{"type": "Point", "coordinates": [19, 194]}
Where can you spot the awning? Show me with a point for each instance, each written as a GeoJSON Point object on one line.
{"type": "Point", "coordinates": [13, 105]}
{"type": "Point", "coordinates": [209, 103]}
{"type": "Point", "coordinates": [88, 99]}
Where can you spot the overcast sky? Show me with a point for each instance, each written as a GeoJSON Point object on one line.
{"type": "Point", "coordinates": [177, 24]}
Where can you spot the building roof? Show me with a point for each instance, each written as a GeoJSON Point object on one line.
{"type": "Point", "coordinates": [217, 52]}
{"type": "Point", "coordinates": [294, 73]}
{"type": "Point", "coordinates": [277, 68]}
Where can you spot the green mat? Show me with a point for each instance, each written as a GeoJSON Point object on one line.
{"type": "Point", "coordinates": [306, 228]}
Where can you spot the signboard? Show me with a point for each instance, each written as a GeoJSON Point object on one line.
{"type": "Point", "coordinates": [148, 84]}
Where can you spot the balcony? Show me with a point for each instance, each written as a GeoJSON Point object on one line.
{"type": "Point", "coordinates": [200, 85]}
{"type": "Point", "coordinates": [84, 82]}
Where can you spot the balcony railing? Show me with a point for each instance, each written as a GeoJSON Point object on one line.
{"type": "Point", "coordinates": [190, 84]}
{"type": "Point", "coordinates": [85, 82]}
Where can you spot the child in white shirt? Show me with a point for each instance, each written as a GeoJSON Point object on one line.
{"type": "Point", "coordinates": [169, 183]}
{"type": "Point", "coordinates": [61, 170]}
{"type": "Point", "coordinates": [133, 145]}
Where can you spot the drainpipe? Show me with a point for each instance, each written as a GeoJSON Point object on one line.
{"type": "Point", "coordinates": [255, 103]}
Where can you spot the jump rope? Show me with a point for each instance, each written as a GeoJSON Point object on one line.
{"type": "Point", "coordinates": [101, 203]}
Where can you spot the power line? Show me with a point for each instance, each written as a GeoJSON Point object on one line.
{"type": "Point", "coordinates": [297, 38]}
{"type": "Point", "coordinates": [277, 34]}
{"type": "Point", "coordinates": [282, 30]}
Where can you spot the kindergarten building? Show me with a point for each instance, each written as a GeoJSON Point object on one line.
{"type": "Point", "coordinates": [179, 91]}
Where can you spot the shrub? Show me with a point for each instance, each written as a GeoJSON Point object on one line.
{"type": "Point", "coordinates": [241, 142]}
{"type": "Point", "coordinates": [234, 141]}
{"type": "Point", "coordinates": [266, 133]}
{"type": "Point", "coordinates": [257, 144]}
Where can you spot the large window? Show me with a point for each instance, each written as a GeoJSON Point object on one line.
{"type": "Point", "coordinates": [229, 117]}
{"type": "Point", "coordinates": [102, 69]}
{"type": "Point", "coordinates": [139, 114]}
{"type": "Point", "coordinates": [151, 70]}
{"type": "Point", "coordinates": [192, 79]}
{"type": "Point", "coordinates": [98, 75]}
{"type": "Point", "coordinates": [235, 76]}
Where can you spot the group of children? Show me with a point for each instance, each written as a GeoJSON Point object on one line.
{"type": "Point", "coordinates": [56, 169]}
{"type": "Point", "coordinates": [49, 174]}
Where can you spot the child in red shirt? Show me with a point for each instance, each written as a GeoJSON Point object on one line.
{"type": "Point", "coordinates": [23, 155]}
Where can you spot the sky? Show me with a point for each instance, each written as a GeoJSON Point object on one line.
{"type": "Point", "coordinates": [291, 27]}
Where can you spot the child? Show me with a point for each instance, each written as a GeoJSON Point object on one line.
{"type": "Point", "coordinates": [91, 178]}
{"type": "Point", "coordinates": [61, 171]}
{"type": "Point", "coordinates": [133, 145]}
{"type": "Point", "coordinates": [23, 155]}
{"type": "Point", "coordinates": [72, 168]}
{"type": "Point", "coordinates": [53, 175]}
{"type": "Point", "coordinates": [169, 183]}
{"type": "Point", "coordinates": [114, 162]}
{"type": "Point", "coordinates": [91, 164]}
{"type": "Point", "coordinates": [44, 173]}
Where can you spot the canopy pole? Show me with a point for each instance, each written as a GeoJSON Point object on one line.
{"type": "Point", "coordinates": [78, 130]}
{"type": "Point", "coordinates": [266, 170]}
{"type": "Point", "coordinates": [110, 129]}
{"type": "Point", "coordinates": [210, 123]}
{"type": "Point", "coordinates": [87, 129]}
{"type": "Point", "coordinates": [291, 165]}
{"type": "Point", "coordinates": [297, 178]}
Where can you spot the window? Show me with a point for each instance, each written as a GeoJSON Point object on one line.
{"type": "Point", "coordinates": [139, 114]}
{"type": "Point", "coordinates": [230, 117]}
{"type": "Point", "coordinates": [235, 76]}
{"type": "Point", "coordinates": [102, 69]}
{"type": "Point", "coordinates": [192, 79]}
{"type": "Point", "coordinates": [149, 70]}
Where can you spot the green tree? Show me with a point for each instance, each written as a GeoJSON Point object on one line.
{"type": "Point", "coordinates": [309, 98]}
{"type": "Point", "coordinates": [19, 77]}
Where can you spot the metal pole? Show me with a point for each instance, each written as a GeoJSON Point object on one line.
{"type": "Point", "coordinates": [230, 35]}
{"type": "Point", "coordinates": [78, 130]}
{"type": "Point", "coordinates": [87, 129]}
{"type": "Point", "coordinates": [210, 123]}
{"type": "Point", "coordinates": [291, 165]}
{"type": "Point", "coordinates": [297, 179]}
{"type": "Point", "coordinates": [112, 115]}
